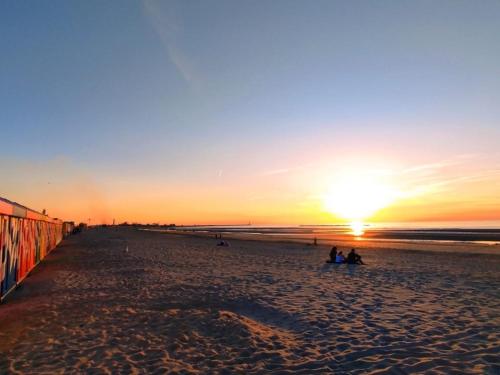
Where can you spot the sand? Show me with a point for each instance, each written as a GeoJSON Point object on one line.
{"type": "Point", "coordinates": [119, 300]}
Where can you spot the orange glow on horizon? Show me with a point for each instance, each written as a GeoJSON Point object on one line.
{"type": "Point", "coordinates": [315, 194]}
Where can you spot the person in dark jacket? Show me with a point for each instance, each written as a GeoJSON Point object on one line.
{"type": "Point", "coordinates": [354, 258]}
{"type": "Point", "coordinates": [333, 254]}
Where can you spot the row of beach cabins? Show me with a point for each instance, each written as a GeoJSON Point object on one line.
{"type": "Point", "coordinates": [26, 237]}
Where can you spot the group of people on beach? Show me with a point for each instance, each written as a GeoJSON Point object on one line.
{"type": "Point", "coordinates": [335, 256]}
{"type": "Point", "coordinates": [338, 257]}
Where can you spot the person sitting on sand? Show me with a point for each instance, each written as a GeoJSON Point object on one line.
{"type": "Point", "coordinates": [333, 254]}
{"type": "Point", "coordinates": [354, 258]}
{"type": "Point", "coordinates": [340, 258]}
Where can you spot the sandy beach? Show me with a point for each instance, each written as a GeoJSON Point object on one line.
{"type": "Point", "coordinates": [120, 300]}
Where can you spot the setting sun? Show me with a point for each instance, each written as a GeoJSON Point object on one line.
{"type": "Point", "coordinates": [357, 228]}
{"type": "Point", "coordinates": [357, 197]}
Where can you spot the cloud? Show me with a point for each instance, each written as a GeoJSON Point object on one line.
{"type": "Point", "coordinates": [429, 167]}
{"type": "Point", "coordinates": [276, 172]}
{"type": "Point", "coordinates": [443, 176]}
{"type": "Point", "coordinates": [166, 24]}
{"type": "Point", "coordinates": [289, 169]}
{"type": "Point", "coordinates": [455, 160]}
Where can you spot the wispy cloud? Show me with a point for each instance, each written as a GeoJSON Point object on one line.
{"type": "Point", "coordinates": [443, 176]}
{"type": "Point", "coordinates": [289, 169]}
{"type": "Point", "coordinates": [456, 160]}
{"type": "Point", "coordinates": [483, 176]}
{"type": "Point", "coordinates": [429, 167]}
{"type": "Point", "coordinates": [276, 172]}
{"type": "Point", "coordinates": [167, 26]}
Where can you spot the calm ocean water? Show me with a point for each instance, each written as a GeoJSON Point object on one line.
{"type": "Point", "coordinates": [484, 233]}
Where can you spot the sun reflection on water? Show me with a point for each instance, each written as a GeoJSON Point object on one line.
{"type": "Point", "coordinates": [357, 228]}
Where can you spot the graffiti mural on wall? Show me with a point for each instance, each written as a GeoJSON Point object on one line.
{"type": "Point", "coordinates": [9, 250]}
{"type": "Point", "coordinates": [25, 241]}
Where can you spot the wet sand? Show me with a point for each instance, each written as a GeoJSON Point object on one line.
{"type": "Point", "coordinates": [128, 301]}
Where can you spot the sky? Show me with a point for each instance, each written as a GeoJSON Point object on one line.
{"type": "Point", "coordinates": [270, 112]}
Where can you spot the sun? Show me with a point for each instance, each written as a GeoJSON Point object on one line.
{"type": "Point", "coordinates": [357, 197]}
{"type": "Point", "coordinates": [357, 228]}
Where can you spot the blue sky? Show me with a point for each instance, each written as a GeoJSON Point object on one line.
{"type": "Point", "coordinates": [137, 89]}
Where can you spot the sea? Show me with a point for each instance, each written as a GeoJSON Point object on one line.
{"type": "Point", "coordinates": [485, 233]}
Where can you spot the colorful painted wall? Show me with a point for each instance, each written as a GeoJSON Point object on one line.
{"type": "Point", "coordinates": [26, 237]}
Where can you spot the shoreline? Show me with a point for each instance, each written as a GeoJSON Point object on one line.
{"type": "Point", "coordinates": [347, 241]}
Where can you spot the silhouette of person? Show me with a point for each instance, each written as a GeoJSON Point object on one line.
{"type": "Point", "coordinates": [354, 258]}
{"type": "Point", "coordinates": [333, 254]}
